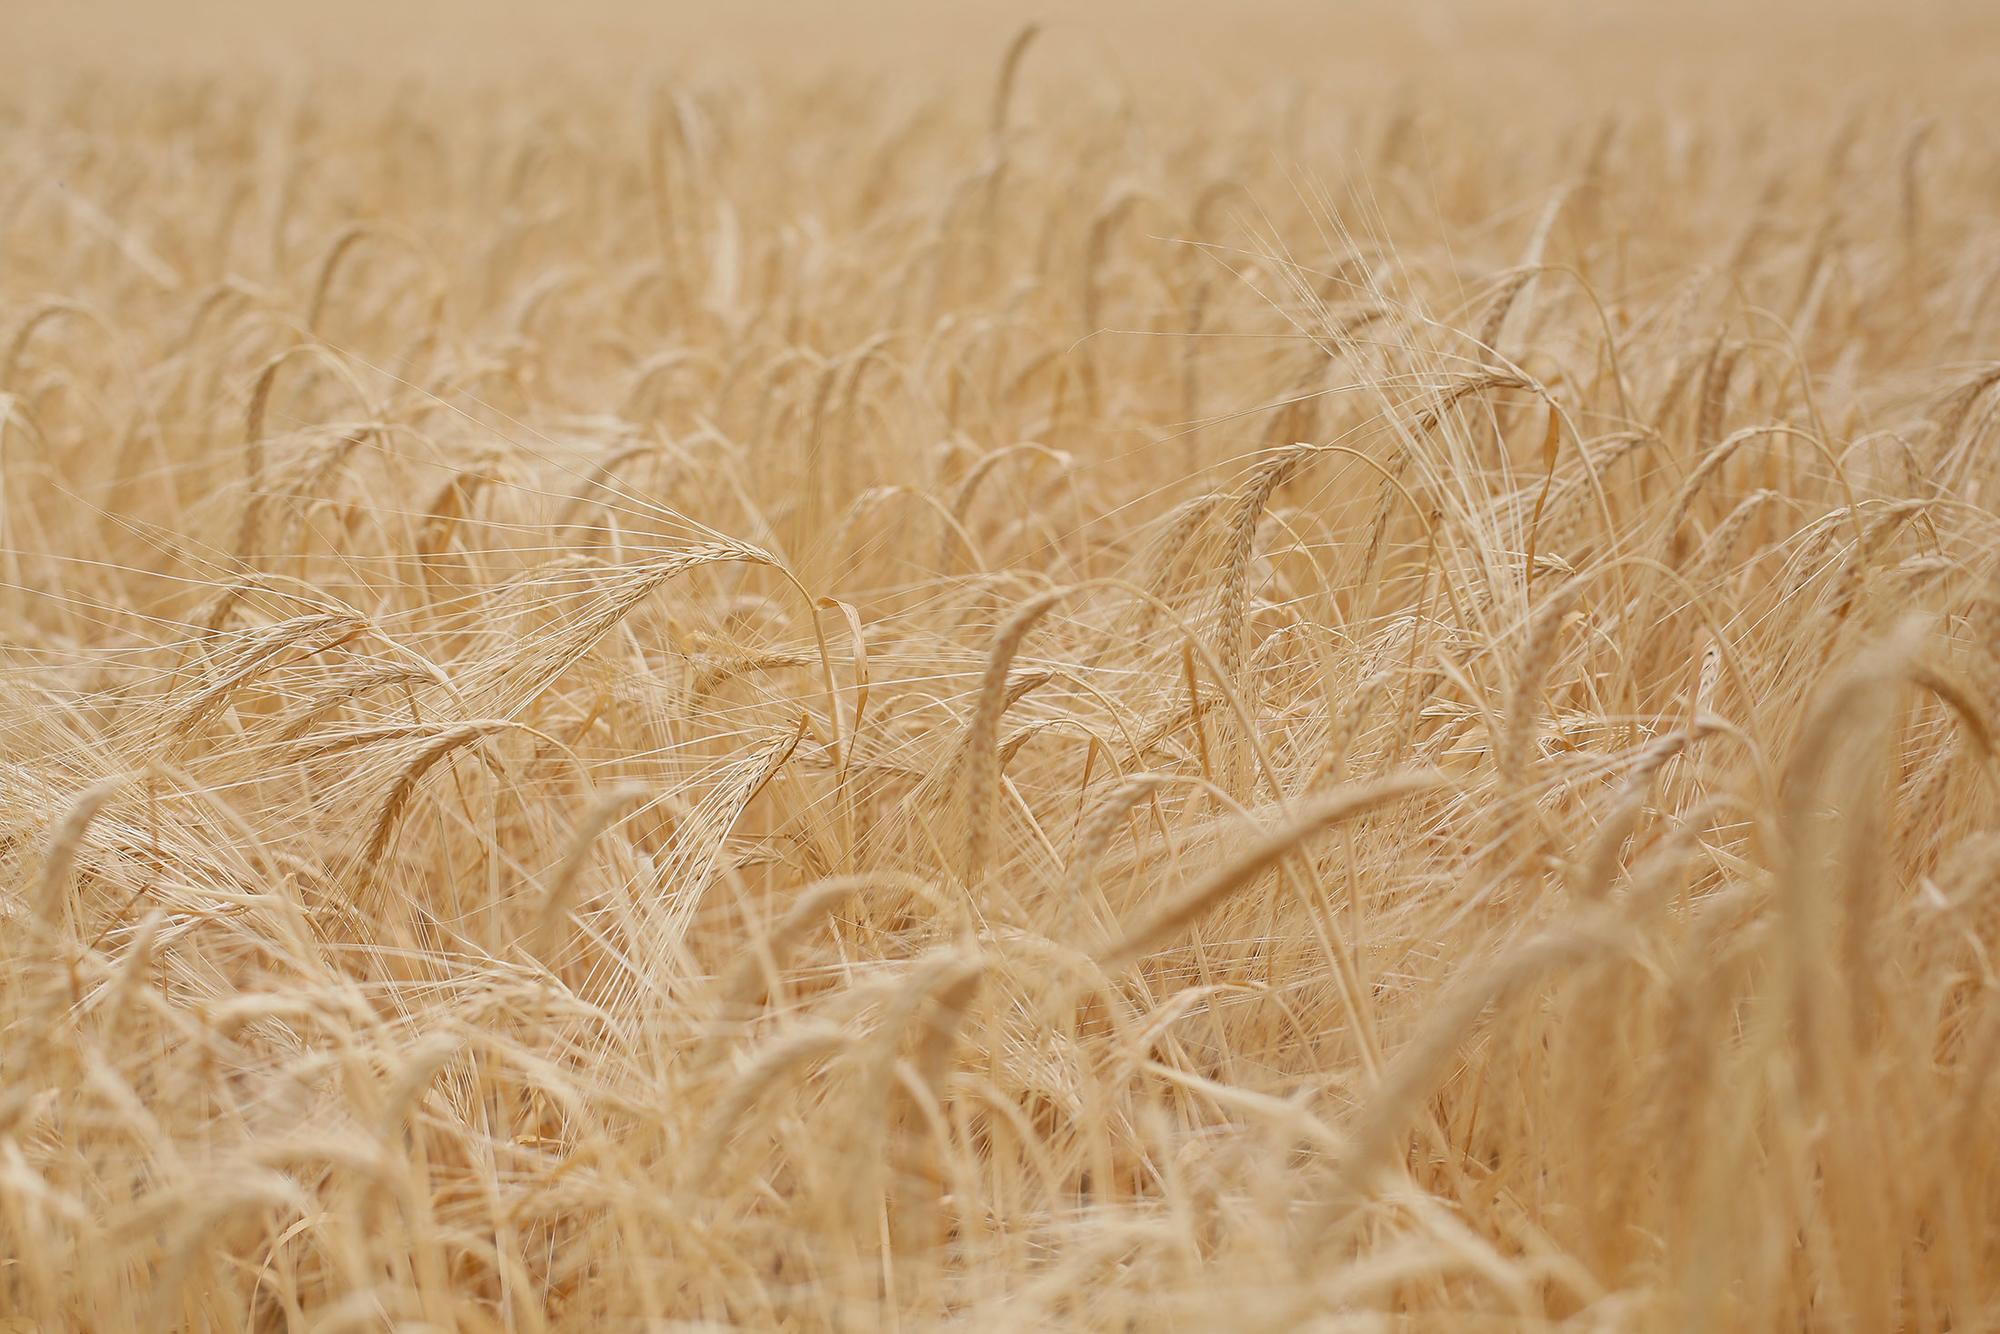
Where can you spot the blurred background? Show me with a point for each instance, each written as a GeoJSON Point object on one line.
{"type": "Point", "coordinates": [1831, 47]}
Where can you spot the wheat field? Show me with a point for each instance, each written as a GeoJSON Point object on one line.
{"type": "Point", "coordinates": [1189, 669]}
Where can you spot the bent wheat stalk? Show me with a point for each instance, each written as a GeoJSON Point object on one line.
{"type": "Point", "coordinates": [1243, 869]}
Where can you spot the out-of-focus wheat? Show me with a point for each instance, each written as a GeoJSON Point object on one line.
{"type": "Point", "coordinates": [1408, 732]}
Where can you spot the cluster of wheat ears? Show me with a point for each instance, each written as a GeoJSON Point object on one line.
{"type": "Point", "coordinates": [785, 707]}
